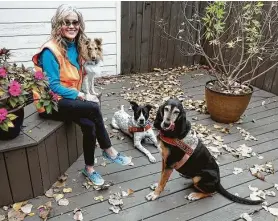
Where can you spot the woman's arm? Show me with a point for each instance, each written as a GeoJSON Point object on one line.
{"type": "Point", "coordinates": [51, 68]}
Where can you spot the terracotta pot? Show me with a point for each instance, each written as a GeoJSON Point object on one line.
{"type": "Point", "coordinates": [226, 108]}
{"type": "Point", "coordinates": [13, 132]}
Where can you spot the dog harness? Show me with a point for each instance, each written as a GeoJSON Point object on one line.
{"type": "Point", "coordinates": [133, 129]}
{"type": "Point", "coordinates": [188, 144]}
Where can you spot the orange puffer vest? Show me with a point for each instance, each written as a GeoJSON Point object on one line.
{"type": "Point", "coordinates": [70, 77]}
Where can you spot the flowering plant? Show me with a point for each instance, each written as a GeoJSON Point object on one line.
{"type": "Point", "coordinates": [16, 87]}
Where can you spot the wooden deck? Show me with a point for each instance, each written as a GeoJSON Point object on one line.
{"type": "Point", "coordinates": [260, 120]}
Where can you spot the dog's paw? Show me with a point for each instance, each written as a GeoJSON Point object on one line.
{"type": "Point", "coordinates": [194, 196]}
{"type": "Point", "coordinates": [152, 159]}
{"type": "Point", "coordinates": [151, 196]}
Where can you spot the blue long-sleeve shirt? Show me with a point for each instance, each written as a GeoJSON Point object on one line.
{"type": "Point", "coordinates": [50, 66]}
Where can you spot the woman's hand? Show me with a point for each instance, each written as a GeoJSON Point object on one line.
{"type": "Point", "coordinates": [81, 96]}
{"type": "Point", "coordinates": [92, 97]}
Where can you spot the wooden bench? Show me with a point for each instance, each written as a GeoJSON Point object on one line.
{"type": "Point", "coordinates": [31, 163]}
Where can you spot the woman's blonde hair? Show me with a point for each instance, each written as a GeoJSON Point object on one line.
{"type": "Point", "coordinates": [56, 24]}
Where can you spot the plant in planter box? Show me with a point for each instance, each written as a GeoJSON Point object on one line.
{"type": "Point", "coordinates": [16, 87]}
{"type": "Point", "coordinates": [238, 41]}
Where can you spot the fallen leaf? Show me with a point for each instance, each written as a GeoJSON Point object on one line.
{"type": "Point", "coordinates": [78, 215]}
{"type": "Point", "coordinates": [14, 215]}
{"type": "Point", "coordinates": [49, 193]}
{"type": "Point", "coordinates": [59, 184]}
{"type": "Point", "coordinates": [273, 211]}
{"type": "Point", "coordinates": [237, 170]}
{"type": "Point", "coordinates": [115, 209]}
{"type": "Point", "coordinates": [115, 199]}
{"type": "Point", "coordinates": [17, 206]}
{"type": "Point", "coordinates": [270, 193]}
{"type": "Point", "coordinates": [103, 164]}
{"type": "Point", "coordinates": [44, 210]}
{"type": "Point", "coordinates": [2, 217]}
{"type": "Point", "coordinates": [31, 214]}
{"type": "Point", "coordinates": [67, 190]}
{"type": "Point", "coordinates": [130, 191]}
{"type": "Point", "coordinates": [276, 186]}
{"type": "Point", "coordinates": [260, 157]}
{"type": "Point", "coordinates": [263, 103]}
{"type": "Point", "coordinates": [27, 208]}
{"type": "Point", "coordinates": [253, 196]}
{"type": "Point", "coordinates": [115, 130]}
{"type": "Point", "coordinates": [63, 202]}
{"type": "Point", "coordinates": [100, 198]}
{"type": "Point", "coordinates": [264, 205]}
{"type": "Point", "coordinates": [5, 208]}
{"type": "Point", "coordinates": [260, 176]}
{"type": "Point", "coordinates": [246, 217]}
{"type": "Point", "coordinates": [253, 189]}
{"type": "Point", "coordinates": [58, 196]}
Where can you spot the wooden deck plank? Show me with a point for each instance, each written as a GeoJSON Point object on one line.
{"type": "Point", "coordinates": [35, 170]}
{"type": "Point", "coordinates": [71, 138]}
{"type": "Point", "coordinates": [62, 148]}
{"type": "Point", "coordinates": [19, 175]}
{"type": "Point", "coordinates": [52, 157]}
{"type": "Point", "coordinates": [5, 191]}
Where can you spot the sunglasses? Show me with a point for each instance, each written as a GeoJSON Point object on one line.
{"type": "Point", "coordinates": [69, 23]}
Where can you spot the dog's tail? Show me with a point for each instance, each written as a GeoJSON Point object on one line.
{"type": "Point", "coordinates": [237, 199]}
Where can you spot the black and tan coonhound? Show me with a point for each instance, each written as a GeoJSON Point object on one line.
{"type": "Point", "coordinates": [184, 152]}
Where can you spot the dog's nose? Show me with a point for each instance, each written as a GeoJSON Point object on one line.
{"type": "Point", "coordinates": [141, 121]}
{"type": "Point", "coordinates": [93, 58]}
{"type": "Point", "coordinates": [166, 124]}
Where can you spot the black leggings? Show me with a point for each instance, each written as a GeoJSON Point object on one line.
{"type": "Point", "coordinates": [88, 116]}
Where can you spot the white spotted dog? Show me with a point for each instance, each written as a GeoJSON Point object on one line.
{"type": "Point", "coordinates": [92, 66]}
{"type": "Point", "coordinates": [138, 127]}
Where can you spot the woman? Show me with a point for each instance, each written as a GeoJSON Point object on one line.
{"type": "Point", "coordinates": [61, 60]}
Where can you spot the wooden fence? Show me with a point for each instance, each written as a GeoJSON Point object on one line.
{"type": "Point", "coordinates": [143, 47]}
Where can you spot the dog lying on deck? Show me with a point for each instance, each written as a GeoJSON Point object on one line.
{"type": "Point", "coordinates": [184, 152]}
{"type": "Point", "coordinates": [138, 127]}
{"type": "Point", "coordinates": [92, 66]}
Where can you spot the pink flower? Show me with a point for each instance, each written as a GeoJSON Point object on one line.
{"type": "Point", "coordinates": [3, 114]}
{"type": "Point", "coordinates": [53, 95]}
{"type": "Point", "coordinates": [15, 88]}
{"type": "Point", "coordinates": [3, 72]}
{"type": "Point", "coordinates": [39, 75]}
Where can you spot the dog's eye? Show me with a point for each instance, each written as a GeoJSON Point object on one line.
{"type": "Point", "coordinates": [166, 109]}
{"type": "Point", "coordinates": [96, 48]}
{"type": "Point", "coordinates": [176, 112]}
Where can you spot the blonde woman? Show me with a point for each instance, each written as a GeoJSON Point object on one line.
{"type": "Point", "coordinates": [61, 59]}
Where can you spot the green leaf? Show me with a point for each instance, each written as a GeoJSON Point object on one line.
{"type": "Point", "coordinates": [49, 109]}
{"type": "Point", "coordinates": [13, 102]}
{"type": "Point", "coordinates": [39, 105]}
{"type": "Point", "coordinates": [46, 103]}
{"type": "Point", "coordinates": [11, 116]}
{"type": "Point", "coordinates": [10, 124]}
{"type": "Point", "coordinates": [4, 126]}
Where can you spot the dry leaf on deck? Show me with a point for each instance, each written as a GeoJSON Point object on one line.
{"type": "Point", "coordinates": [59, 184]}
{"type": "Point", "coordinates": [101, 198]}
{"type": "Point", "coordinates": [2, 217]}
{"type": "Point", "coordinates": [78, 215]}
{"type": "Point", "coordinates": [246, 217]}
{"type": "Point", "coordinates": [115, 209]}
{"type": "Point", "coordinates": [5, 208]}
{"type": "Point", "coordinates": [237, 170]}
{"type": "Point", "coordinates": [58, 196]}
{"type": "Point", "coordinates": [44, 210]}
{"type": "Point", "coordinates": [270, 193]}
{"type": "Point", "coordinates": [17, 206]}
{"type": "Point", "coordinates": [276, 186]}
{"type": "Point", "coordinates": [253, 189]}
{"type": "Point", "coordinates": [260, 176]}
{"type": "Point", "coordinates": [67, 190]}
{"type": "Point", "coordinates": [103, 164]}
{"type": "Point", "coordinates": [27, 208]}
{"type": "Point", "coordinates": [273, 211]}
{"type": "Point", "coordinates": [14, 215]}
{"type": "Point", "coordinates": [63, 202]}
{"type": "Point", "coordinates": [49, 193]}
{"type": "Point", "coordinates": [63, 178]}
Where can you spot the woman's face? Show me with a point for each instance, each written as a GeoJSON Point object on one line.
{"type": "Point", "coordinates": [70, 27]}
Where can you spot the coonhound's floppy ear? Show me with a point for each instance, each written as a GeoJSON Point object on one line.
{"type": "Point", "coordinates": [183, 126]}
{"type": "Point", "coordinates": [159, 117]}
{"type": "Point", "coordinates": [134, 105]}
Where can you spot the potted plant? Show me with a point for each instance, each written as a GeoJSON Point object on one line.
{"type": "Point", "coordinates": [16, 86]}
{"type": "Point", "coordinates": [234, 39]}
